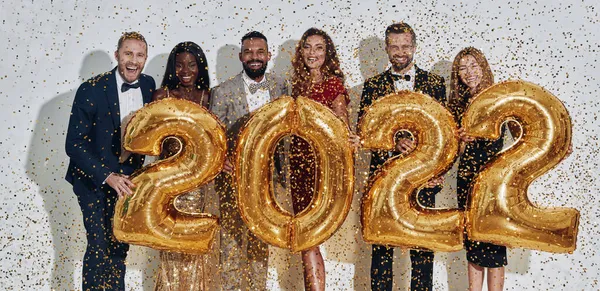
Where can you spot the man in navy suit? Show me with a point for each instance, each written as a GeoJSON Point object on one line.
{"type": "Point", "coordinates": [99, 166]}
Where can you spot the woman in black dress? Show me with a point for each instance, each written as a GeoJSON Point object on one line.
{"type": "Point", "coordinates": [471, 74]}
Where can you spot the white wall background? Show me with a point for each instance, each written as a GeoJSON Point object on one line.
{"type": "Point", "coordinates": [48, 48]}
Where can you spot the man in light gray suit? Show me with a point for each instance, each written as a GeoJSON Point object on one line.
{"type": "Point", "coordinates": [244, 257]}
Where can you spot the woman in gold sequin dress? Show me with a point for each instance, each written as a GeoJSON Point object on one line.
{"type": "Point", "coordinates": [186, 77]}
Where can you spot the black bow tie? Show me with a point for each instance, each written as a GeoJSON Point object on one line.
{"type": "Point", "coordinates": [398, 77]}
{"type": "Point", "coordinates": [127, 86]}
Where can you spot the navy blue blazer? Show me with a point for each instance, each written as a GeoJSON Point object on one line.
{"type": "Point", "coordinates": [94, 134]}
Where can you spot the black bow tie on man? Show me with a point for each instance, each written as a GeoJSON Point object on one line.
{"type": "Point", "coordinates": [126, 86]}
{"type": "Point", "coordinates": [400, 77]}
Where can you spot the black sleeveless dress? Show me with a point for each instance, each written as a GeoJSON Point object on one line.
{"type": "Point", "coordinates": [476, 155]}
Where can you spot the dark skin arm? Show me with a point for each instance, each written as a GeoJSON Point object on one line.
{"type": "Point", "coordinates": [205, 98]}
{"type": "Point", "coordinates": [159, 94]}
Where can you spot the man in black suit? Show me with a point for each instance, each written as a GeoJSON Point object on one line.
{"type": "Point", "coordinates": [99, 166]}
{"type": "Point", "coordinates": [401, 44]}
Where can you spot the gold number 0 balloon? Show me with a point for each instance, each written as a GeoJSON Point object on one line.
{"type": "Point", "coordinates": [390, 212]}
{"type": "Point", "coordinates": [148, 217]}
{"type": "Point", "coordinates": [329, 207]}
{"type": "Point", "coordinates": [499, 210]}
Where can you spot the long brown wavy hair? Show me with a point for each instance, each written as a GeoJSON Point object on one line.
{"type": "Point", "coordinates": [459, 91]}
{"type": "Point", "coordinates": [331, 66]}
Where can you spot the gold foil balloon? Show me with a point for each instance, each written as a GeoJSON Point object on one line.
{"type": "Point", "coordinates": [499, 210]}
{"type": "Point", "coordinates": [391, 214]}
{"type": "Point", "coordinates": [148, 217]}
{"type": "Point", "coordinates": [331, 201]}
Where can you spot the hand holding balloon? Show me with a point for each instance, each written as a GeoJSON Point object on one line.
{"type": "Point", "coordinates": [331, 201]}
{"type": "Point", "coordinates": [391, 214]}
{"type": "Point", "coordinates": [148, 217]}
{"type": "Point", "coordinates": [500, 211]}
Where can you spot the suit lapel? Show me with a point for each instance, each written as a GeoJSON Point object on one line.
{"type": "Point", "coordinates": [387, 84]}
{"type": "Point", "coordinates": [112, 97]}
{"type": "Point", "coordinates": [419, 79]}
{"type": "Point", "coordinates": [240, 89]}
{"type": "Point", "coordinates": [273, 92]}
{"type": "Point", "coordinates": [145, 86]}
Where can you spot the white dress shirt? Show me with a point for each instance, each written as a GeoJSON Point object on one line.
{"type": "Point", "coordinates": [260, 97]}
{"type": "Point", "coordinates": [403, 84]}
{"type": "Point", "coordinates": [129, 103]}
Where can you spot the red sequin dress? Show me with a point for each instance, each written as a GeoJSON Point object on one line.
{"type": "Point", "coordinates": [303, 167]}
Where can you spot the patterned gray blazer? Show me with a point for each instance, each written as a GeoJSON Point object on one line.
{"type": "Point", "coordinates": [229, 103]}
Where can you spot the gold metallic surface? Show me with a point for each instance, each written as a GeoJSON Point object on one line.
{"type": "Point", "coordinates": [500, 211]}
{"type": "Point", "coordinates": [330, 205]}
{"type": "Point", "coordinates": [390, 212]}
{"type": "Point", "coordinates": [148, 217]}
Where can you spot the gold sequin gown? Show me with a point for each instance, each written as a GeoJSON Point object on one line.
{"type": "Point", "coordinates": [178, 271]}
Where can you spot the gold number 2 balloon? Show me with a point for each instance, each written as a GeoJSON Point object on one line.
{"type": "Point", "coordinates": [148, 217]}
{"type": "Point", "coordinates": [391, 214]}
{"type": "Point", "coordinates": [331, 201]}
{"type": "Point", "coordinates": [499, 210]}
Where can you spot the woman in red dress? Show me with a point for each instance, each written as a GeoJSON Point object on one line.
{"type": "Point", "coordinates": [317, 75]}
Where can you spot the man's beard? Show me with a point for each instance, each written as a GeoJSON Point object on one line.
{"type": "Point", "coordinates": [398, 67]}
{"type": "Point", "coordinates": [253, 74]}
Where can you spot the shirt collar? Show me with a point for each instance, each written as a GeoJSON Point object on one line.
{"type": "Point", "coordinates": [412, 72]}
{"type": "Point", "coordinates": [120, 80]}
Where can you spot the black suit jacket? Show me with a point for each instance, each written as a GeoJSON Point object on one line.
{"type": "Point", "coordinates": [94, 134]}
{"type": "Point", "coordinates": [382, 85]}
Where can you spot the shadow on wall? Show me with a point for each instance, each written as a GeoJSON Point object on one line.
{"type": "Point", "coordinates": [372, 61]}
{"type": "Point", "coordinates": [47, 165]}
{"type": "Point", "coordinates": [228, 63]}
{"type": "Point", "coordinates": [282, 62]}
{"type": "Point", "coordinates": [156, 67]}
{"type": "Point", "coordinates": [443, 69]}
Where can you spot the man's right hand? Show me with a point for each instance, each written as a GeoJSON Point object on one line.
{"type": "Point", "coordinates": [228, 166]}
{"type": "Point", "coordinates": [405, 145]}
{"type": "Point", "coordinates": [463, 135]}
{"type": "Point", "coordinates": [120, 183]}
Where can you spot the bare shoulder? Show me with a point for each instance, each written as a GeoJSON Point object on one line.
{"type": "Point", "coordinates": [160, 93]}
